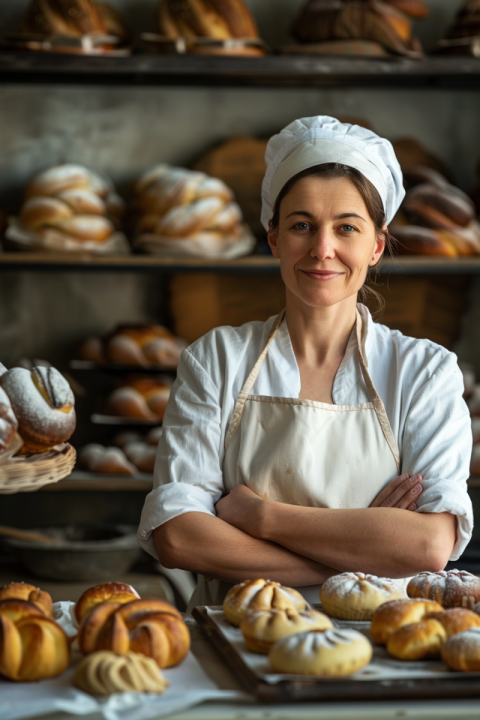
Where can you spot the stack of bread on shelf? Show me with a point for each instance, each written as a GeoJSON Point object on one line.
{"type": "Point", "coordinates": [37, 410]}
{"type": "Point", "coordinates": [140, 398]}
{"type": "Point", "coordinates": [210, 27]}
{"type": "Point", "coordinates": [186, 213]}
{"type": "Point", "coordinates": [360, 27]}
{"type": "Point", "coordinates": [82, 19]}
{"type": "Point", "coordinates": [69, 208]}
{"type": "Point", "coordinates": [131, 453]}
{"type": "Point", "coordinates": [436, 218]}
{"type": "Point", "coordinates": [136, 345]}
{"type": "Point", "coordinates": [433, 616]}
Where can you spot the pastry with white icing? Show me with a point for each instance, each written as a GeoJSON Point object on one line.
{"type": "Point", "coordinates": [450, 588]}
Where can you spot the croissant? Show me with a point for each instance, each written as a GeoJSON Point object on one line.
{"type": "Point", "coordinates": [32, 646]}
{"type": "Point", "coordinates": [151, 627]}
{"type": "Point", "coordinates": [24, 591]}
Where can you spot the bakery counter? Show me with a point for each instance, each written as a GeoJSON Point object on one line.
{"type": "Point", "coordinates": [269, 71]}
{"type": "Point", "coordinates": [252, 264]}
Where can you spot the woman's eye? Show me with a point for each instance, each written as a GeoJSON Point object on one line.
{"type": "Point", "coordinates": [348, 228]}
{"type": "Point", "coordinates": [301, 226]}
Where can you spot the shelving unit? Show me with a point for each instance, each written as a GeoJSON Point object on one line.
{"type": "Point", "coordinates": [80, 481]}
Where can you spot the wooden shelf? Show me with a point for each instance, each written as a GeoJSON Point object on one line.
{"type": "Point", "coordinates": [260, 264]}
{"type": "Point", "coordinates": [79, 481]}
{"type": "Point", "coordinates": [273, 70]}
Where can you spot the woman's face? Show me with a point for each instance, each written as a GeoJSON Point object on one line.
{"type": "Point", "coordinates": [325, 240]}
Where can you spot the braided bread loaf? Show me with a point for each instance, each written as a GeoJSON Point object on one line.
{"type": "Point", "coordinates": [71, 207]}
{"type": "Point", "coordinates": [32, 646]}
{"type": "Point", "coordinates": [175, 205]}
{"type": "Point", "coordinates": [151, 627]}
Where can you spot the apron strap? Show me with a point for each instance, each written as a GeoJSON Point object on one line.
{"type": "Point", "coordinates": [249, 383]}
{"type": "Point", "coordinates": [377, 401]}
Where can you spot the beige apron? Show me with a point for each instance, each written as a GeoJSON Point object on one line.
{"type": "Point", "coordinates": [307, 453]}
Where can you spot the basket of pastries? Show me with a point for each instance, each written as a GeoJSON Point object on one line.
{"type": "Point", "coordinates": [72, 26]}
{"type": "Point", "coordinates": [357, 27]}
{"type": "Point", "coordinates": [205, 27]}
{"type": "Point", "coordinates": [184, 213]}
{"type": "Point", "coordinates": [130, 454]}
{"type": "Point", "coordinates": [436, 218]}
{"type": "Point", "coordinates": [133, 345]}
{"type": "Point", "coordinates": [69, 208]}
{"type": "Point", "coordinates": [37, 417]}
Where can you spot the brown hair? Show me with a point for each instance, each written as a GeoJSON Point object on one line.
{"type": "Point", "coordinates": [375, 209]}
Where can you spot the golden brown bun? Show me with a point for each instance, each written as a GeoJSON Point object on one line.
{"type": "Point", "coordinates": [23, 591]}
{"type": "Point", "coordinates": [143, 345]}
{"type": "Point", "coordinates": [417, 240]}
{"type": "Point", "coordinates": [356, 596]}
{"type": "Point", "coordinates": [397, 613]}
{"type": "Point", "coordinates": [332, 653]}
{"type": "Point", "coordinates": [8, 422]}
{"type": "Point", "coordinates": [106, 672]}
{"type": "Point", "coordinates": [438, 207]}
{"type": "Point", "coordinates": [221, 19]}
{"type": "Point", "coordinates": [63, 17]}
{"type": "Point", "coordinates": [107, 592]}
{"type": "Point", "coordinates": [262, 629]}
{"type": "Point", "coordinates": [32, 646]}
{"type": "Point", "coordinates": [462, 651]}
{"type": "Point", "coordinates": [43, 403]}
{"type": "Point", "coordinates": [105, 460]}
{"type": "Point", "coordinates": [420, 640]}
{"type": "Point", "coordinates": [143, 399]}
{"type": "Point", "coordinates": [455, 620]}
{"type": "Point", "coordinates": [255, 595]}
{"type": "Point", "coordinates": [151, 627]}
{"type": "Point", "coordinates": [83, 202]}
{"type": "Point", "coordinates": [91, 349]}
{"type": "Point", "coordinates": [58, 179]}
{"type": "Point", "coordinates": [41, 212]}
{"type": "Point", "coordinates": [450, 588]}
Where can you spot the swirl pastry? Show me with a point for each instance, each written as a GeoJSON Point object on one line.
{"type": "Point", "coordinates": [255, 595]}
{"type": "Point", "coordinates": [332, 653]}
{"type": "Point", "coordinates": [119, 593]}
{"type": "Point", "coordinates": [395, 614]}
{"type": "Point", "coordinates": [106, 672]}
{"type": "Point", "coordinates": [450, 588]}
{"type": "Point", "coordinates": [356, 596]}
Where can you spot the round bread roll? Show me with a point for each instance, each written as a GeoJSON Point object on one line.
{"type": "Point", "coordinates": [23, 591]}
{"type": "Point", "coordinates": [395, 614]}
{"type": "Point", "coordinates": [332, 653]}
{"type": "Point", "coordinates": [356, 596]}
{"type": "Point", "coordinates": [8, 422]}
{"type": "Point", "coordinates": [254, 595]}
{"type": "Point", "coordinates": [462, 651]}
{"type": "Point", "coordinates": [450, 588]}
{"type": "Point", "coordinates": [455, 620]}
{"type": "Point", "coordinates": [106, 672]}
{"type": "Point", "coordinates": [105, 593]}
{"type": "Point", "coordinates": [419, 640]}
{"type": "Point", "coordinates": [262, 629]}
{"type": "Point", "coordinates": [43, 403]}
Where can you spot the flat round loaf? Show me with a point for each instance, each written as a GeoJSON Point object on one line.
{"type": "Point", "coordinates": [262, 629]}
{"type": "Point", "coordinates": [106, 592]}
{"type": "Point", "coordinates": [392, 615]}
{"type": "Point", "coordinates": [462, 651]}
{"type": "Point", "coordinates": [106, 672]}
{"type": "Point", "coordinates": [356, 596]}
{"type": "Point", "coordinates": [450, 588]}
{"type": "Point", "coordinates": [419, 640]}
{"type": "Point", "coordinates": [455, 620]}
{"type": "Point", "coordinates": [255, 595]}
{"type": "Point", "coordinates": [43, 403]}
{"type": "Point", "coordinates": [332, 653]}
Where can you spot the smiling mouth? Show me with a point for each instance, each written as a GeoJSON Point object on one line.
{"type": "Point", "coordinates": [322, 274]}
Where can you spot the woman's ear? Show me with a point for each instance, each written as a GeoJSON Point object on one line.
{"type": "Point", "coordinates": [272, 238]}
{"type": "Point", "coordinates": [379, 247]}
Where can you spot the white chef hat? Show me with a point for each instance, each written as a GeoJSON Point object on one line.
{"type": "Point", "coordinates": [323, 139]}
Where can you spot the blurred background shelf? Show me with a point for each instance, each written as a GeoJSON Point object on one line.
{"type": "Point", "coordinates": [270, 71]}
{"type": "Point", "coordinates": [79, 481]}
{"type": "Point", "coordinates": [262, 264]}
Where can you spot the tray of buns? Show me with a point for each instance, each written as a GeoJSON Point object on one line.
{"type": "Point", "coordinates": [407, 645]}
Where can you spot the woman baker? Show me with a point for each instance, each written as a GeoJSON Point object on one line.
{"type": "Point", "coordinates": [319, 441]}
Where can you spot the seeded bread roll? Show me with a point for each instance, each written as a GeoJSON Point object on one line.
{"type": "Point", "coordinates": [332, 653]}
{"type": "Point", "coordinates": [44, 406]}
{"type": "Point", "coordinates": [356, 596]}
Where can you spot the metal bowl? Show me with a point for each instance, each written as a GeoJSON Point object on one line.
{"type": "Point", "coordinates": [81, 552]}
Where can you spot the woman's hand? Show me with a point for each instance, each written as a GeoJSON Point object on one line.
{"type": "Point", "coordinates": [400, 493]}
{"type": "Point", "coordinates": [243, 509]}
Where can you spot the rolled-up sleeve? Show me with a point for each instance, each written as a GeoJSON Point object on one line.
{"type": "Point", "coordinates": [437, 443]}
{"type": "Point", "coordinates": [188, 474]}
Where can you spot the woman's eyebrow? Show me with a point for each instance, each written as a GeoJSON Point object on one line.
{"type": "Point", "coordinates": [301, 212]}
{"type": "Point", "coordinates": [347, 215]}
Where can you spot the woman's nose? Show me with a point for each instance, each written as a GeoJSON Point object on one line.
{"type": "Point", "coordinates": [323, 244]}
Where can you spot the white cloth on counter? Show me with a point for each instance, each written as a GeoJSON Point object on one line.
{"type": "Point", "coordinates": [419, 382]}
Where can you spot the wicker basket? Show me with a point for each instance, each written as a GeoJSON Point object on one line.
{"type": "Point", "coordinates": [31, 472]}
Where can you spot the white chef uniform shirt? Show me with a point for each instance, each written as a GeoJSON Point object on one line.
{"type": "Point", "coordinates": [419, 382]}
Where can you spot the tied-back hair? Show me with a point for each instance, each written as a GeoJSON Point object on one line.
{"type": "Point", "coordinates": [372, 200]}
